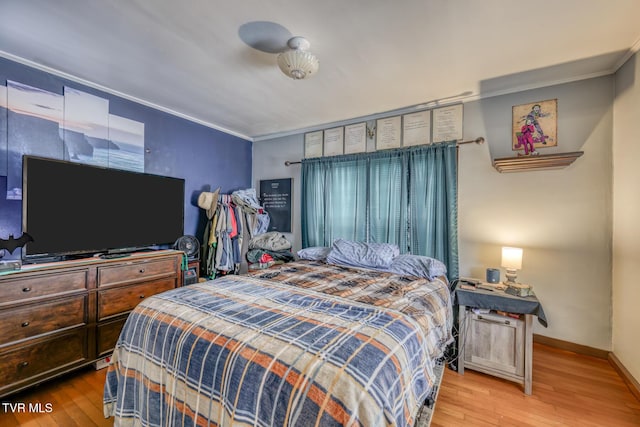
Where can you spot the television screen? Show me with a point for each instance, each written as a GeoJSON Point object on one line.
{"type": "Point", "coordinates": [72, 208]}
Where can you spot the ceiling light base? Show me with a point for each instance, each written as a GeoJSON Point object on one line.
{"type": "Point", "coordinates": [298, 42]}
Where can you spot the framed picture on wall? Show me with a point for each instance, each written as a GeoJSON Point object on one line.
{"type": "Point", "coordinates": [334, 141]}
{"type": "Point", "coordinates": [313, 144]}
{"type": "Point", "coordinates": [447, 123]}
{"type": "Point", "coordinates": [388, 133]}
{"type": "Point", "coordinates": [416, 128]}
{"type": "Point", "coordinates": [534, 125]}
{"type": "Point", "coordinates": [355, 138]}
{"type": "Point", "coordinates": [275, 197]}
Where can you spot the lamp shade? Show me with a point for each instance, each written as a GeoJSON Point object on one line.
{"type": "Point", "coordinates": [298, 64]}
{"type": "Point", "coordinates": [512, 258]}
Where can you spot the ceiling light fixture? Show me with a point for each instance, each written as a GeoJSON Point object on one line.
{"type": "Point", "coordinates": [297, 62]}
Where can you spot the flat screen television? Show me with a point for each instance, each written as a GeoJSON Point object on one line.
{"type": "Point", "coordinates": [73, 209]}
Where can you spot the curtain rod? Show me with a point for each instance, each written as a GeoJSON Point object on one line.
{"type": "Point", "coordinates": [478, 140]}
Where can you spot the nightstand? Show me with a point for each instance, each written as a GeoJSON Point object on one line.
{"type": "Point", "coordinates": [496, 344]}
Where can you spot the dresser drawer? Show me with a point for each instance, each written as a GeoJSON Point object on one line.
{"type": "Point", "coordinates": [43, 358]}
{"type": "Point", "coordinates": [135, 272]}
{"type": "Point", "coordinates": [108, 334]}
{"type": "Point", "coordinates": [36, 319]}
{"type": "Point", "coordinates": [123, 299]}
{"type": "Point", "coordinates": [41, 285]}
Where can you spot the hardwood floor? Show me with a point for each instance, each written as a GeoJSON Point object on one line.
{"type": "Point", "coordinates": [76, 400]}
{"type": "Point", "coordinates": [568, 390]}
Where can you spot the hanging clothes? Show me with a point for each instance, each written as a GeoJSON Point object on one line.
{"type": "Point", "coordinates": [232, 221]}
{"type": "Point", "coordinates": [257, 219]}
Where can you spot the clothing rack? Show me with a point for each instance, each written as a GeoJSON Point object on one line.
{"type": "Point", "coordinates": [237, 219]}
{"type": "Point", "coordinates": [478, 140]}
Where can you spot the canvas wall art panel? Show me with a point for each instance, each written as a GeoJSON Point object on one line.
{"type": "Point", "coordinates": [86, 127]}
{"type": "Point", "coordinates": [4, 150]}
{"type": "Point", "coordinates": [33, 128]}
{"type": "Point", "coordinates": [126, 144]}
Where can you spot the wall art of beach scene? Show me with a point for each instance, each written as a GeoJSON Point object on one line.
{"type": "Point", "coordinates": [74, 126]}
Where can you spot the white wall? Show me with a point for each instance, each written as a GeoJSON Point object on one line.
{"type": "Point", "coordinates": [562, 218]}
{"type": "Point", "coordinates": [268, 163]}
{"type": "Point", "coordinates": [626, 213]}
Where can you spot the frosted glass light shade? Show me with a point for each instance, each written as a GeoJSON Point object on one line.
{"type": "Point", "coordinates": [512, 258]}
{"type": "Point", "coordinates": [298, 64]}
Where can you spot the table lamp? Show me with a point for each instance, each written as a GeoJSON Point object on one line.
{"type": "Point", "coordinates": [512, 261]}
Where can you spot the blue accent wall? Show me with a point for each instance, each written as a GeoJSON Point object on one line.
{"type": "Point", "coordinates": [205, 157]}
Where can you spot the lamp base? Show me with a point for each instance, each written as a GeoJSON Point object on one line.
{"type": "Point", "coordinates": [511, 275]}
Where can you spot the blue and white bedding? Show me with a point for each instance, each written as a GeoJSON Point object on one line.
{"type": "Point", "coordinates": [300, 344]}
{"type": "Point", "coordinates": [378, 256]}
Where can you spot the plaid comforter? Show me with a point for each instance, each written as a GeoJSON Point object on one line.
{"type": "Point", "coordinates": [248, 350]}
{"type": "Point", "coordinates": [428, 303]}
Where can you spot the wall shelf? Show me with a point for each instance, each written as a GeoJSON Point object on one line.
{"type": "Point", "coordinates": [542, 161]}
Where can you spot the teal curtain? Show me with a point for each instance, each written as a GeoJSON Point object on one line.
{"type": "Point", "coordinates": [433, 204]}
{"type": "Point", "coordinates": [313, 211]}
{"type": "Point", "coordinates": [405, 196]}
{"type": "Point", "coordinates": [334, 200]}
{"type": "Point", "coordinates": [387, 198]}
{"type": "Point", "coordinates": [346, 200]}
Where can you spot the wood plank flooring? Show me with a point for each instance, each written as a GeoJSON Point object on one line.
{"type": "Point", "coordinates": [568, 390]}
{"type": "Point", "coordinates": [76, 401]}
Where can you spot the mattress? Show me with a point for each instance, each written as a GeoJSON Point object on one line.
{"type": "Point", "coordinates": [302, 344]}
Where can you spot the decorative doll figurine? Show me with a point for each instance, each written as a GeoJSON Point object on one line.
{"type": "Point", "coordinates": [526, 138]}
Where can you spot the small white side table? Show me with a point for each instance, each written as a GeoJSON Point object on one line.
{"type": "Point", "coordinates": [495, 344]}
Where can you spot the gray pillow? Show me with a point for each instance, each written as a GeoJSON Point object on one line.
{"type": "Point", "coordinates": [361, 254]}
{"type": "Point", "coordinates": [418, 265]}
{"type": "Point", "coordinates": [314, 253]}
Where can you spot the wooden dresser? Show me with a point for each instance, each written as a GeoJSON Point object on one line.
{"type": "Point", "coordinates": [60, 316]}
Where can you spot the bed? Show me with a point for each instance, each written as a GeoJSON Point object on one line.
{"type": "Point", "coordinates": [304, 343]}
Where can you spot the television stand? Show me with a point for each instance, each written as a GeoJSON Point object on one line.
{"type": "Point", "coordinates": [114, 256]}
{"type": "Point", "coordinates": [122, 253]}
{"type": "Point", "coordinates": [43, 260]}
{"type": "Point", "coordinates": [63, 316]}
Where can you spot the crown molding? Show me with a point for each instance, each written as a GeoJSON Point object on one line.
{"type": "Point", "coordinates": [114, 92]}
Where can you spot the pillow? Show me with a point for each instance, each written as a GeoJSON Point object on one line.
{"type": "Point", "coordinates": [361, 254]}
{"type": "Point", "coordinates": [314, 253]}
{"type": "Point", "coordinates": [418, 265]}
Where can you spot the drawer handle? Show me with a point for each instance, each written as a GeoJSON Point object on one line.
{"type": "Point", "coordinates": [23, 364]}
{"type": "Point", "coordinates": [141, 270]}
{"type": "Point", "coordinates": [27, 289]}
{"type": "Point", "coordinates": [25, 324]}
{"type": "Point", "coordinates": [500, 322]}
